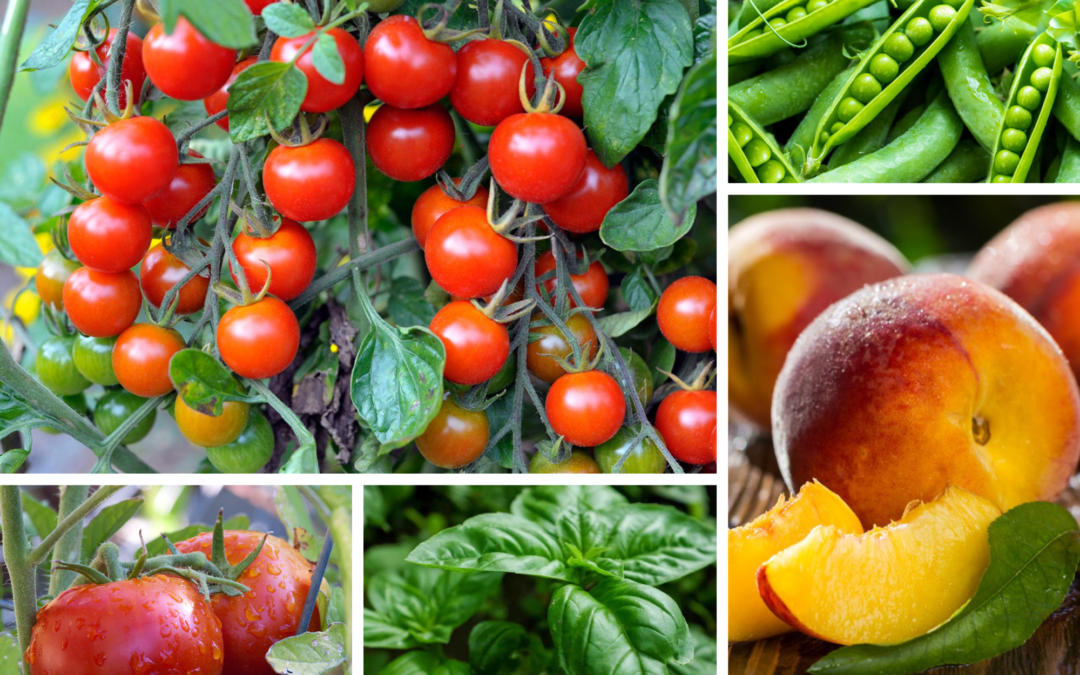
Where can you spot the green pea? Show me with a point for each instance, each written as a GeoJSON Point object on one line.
{"type": "Point", "coordinates": [1014, 139]}
{"type": "Point", "coordinates": [825, 134]}
{"type": "Point", "coordinates": [848, 109]}
{"type": "Point", "coordinates": [757, 152]}
{"type": "Point", "coordinates": [1043, 55]}
{"type": "Point", "coordinates": [778, 23]}
{"type": "Point", "coordinates": [1017, 118]}
{"type": "Point", "coordinates": [1040, 79]}
{"type": "Point", "coordinates": [1028, 97]}
{"type": "Point", "coordinates": [771, 171]}
{"type": "Point", "coordinates": [757, 32]}
{"type": "Point", "coordinates": [865, 87]}
{"type": "Point", "coordinates": [795, 14]}
{"type": "Point", "coordinates": [884, 68]}
{"type": "Point", "coordinates": [899, 47]}
{"type": "Point", "coordinates": [941, 16]}
{"type": "Point", "coordinates": [919, 31]}
{"type": "Point", "coordinates": [815, 5]}
{"type": "Point", "coordinates": [730, 119]}
{"type": "Point", "coordinates": [1002, 179]}
{"type": "Point", "coordinates": [837, 126]}
{"type": "Point", "coordinates": [1006, 161]}
{"type": "Point", "coordinates": [742, 133]}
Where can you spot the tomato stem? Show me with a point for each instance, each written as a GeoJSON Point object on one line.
{"type": "Point", "coordinates": [17, 562]}
{"type": "Point", "coordinates": [10, 40]}
{"type": "Point", "coordinates": [69, 545]}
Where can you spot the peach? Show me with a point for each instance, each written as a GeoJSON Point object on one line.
{"type": "Point", "coordinates": [920, 382]}
{"type": "Point", "coordinates": [752, 544]}
{"type": "Point", "coordinates": [888, 585]}
{"type": "Point", "coordinates": [784, 268]}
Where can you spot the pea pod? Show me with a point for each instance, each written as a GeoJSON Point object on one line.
{"type": "Point", "coordinates": [967, 163]}
{"type": "Point", "coordinates": [754, 152]}
{"type": "Point", "coordinates": [894, 60]}
{"type": "Point", "coordinates": [1069, 171]}
{"type": "Point", "coordinates": [1027, 111]}
{"type": "Point", "coordinates": [787, 24]}
{"type": "Point", "coordinates": [969, 85]}
{"type": "Point", "coordinates": [1067, 101]}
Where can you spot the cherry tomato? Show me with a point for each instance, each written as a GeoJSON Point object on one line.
{"type": "Point", "coordinates": [219, 100]}
{"type": "Point", "coordinates": [102, 304]}
{"type": "Point", "coordinates": [686, 420]}
{"type": "Point", "coordinates": [109, 236]}
{"type": "Point", "coordinates": [85, 74]}
{"type": "Point", "coordinates": [540, 354]}
{"type": "Point", "coordinates": [208, 431]}
{"type": "Point", "coordinates": [279, 579]}
{"type": "Point", "coordinates": [579, 461]}
{"type": "Point", "coordinates": [249, 452]}
{"type": "Point", "coordinates": [476, 346]}
{"type": "Point", "coordinates": [189, 185]}
{"type": "Point", "coordinates": [592, 286]}
{"type": "Point", "coordinates": [404, 68]}
{"type": "Point", "coordinates": [537, 157]}
{"type": "Point", "coordinates": [185, 65]}
{"type": "Point", "coordinates": [154, 624]}
{"type": "Point", "coordinates": [466, 257]}
{"type": "Point", "coordinates": [141, 359]}
{"type": "Point", "coordinates": [257, 6]}
{"type": "Point", "coordinates": [599, 189]}
{"type": "Point", "coordinates": [645, 457]}
{"type": "Point", "coordinates": [567, 67]}
{"type": "Point", "coordinates": [410, 145]}
{"type": "Point", "coordinates": [322, 94]}
{"type": "Point", "coordinates": [434, 202]}
{"type": "Point", "coordinates": [259, 340]}
{"type": "Point", "coordinates": [290, 253]}
{"type": "Point", "coordinates": [56, 367]}
{"type": "Point", "coordinates": [683, 313]}
{"type": "Point", "coordinates": [486, 89]}
{"type": "Point", "coordinates": [52, 272]}
{"type": "Point", "coordinates": [712, 329]}
{"type": "Point", "coordinates": [115, 408]}
{"type": "Point", "coordinates": [585, 408]}
{"type": "Point", "coordinates": [310, 182]}
{"type": "Point", "coordinates": [93, 358]}
{"type": "Point", "coordinates": [132, 160]}
{"type": "Point", "coordinates": [161, 270]}
{"type": "Point", "coordinates": [455, 437]}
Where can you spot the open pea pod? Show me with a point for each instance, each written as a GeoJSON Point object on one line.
{"type": "Point", "coordinates": [787, 24]}
{"type": "Point", "coordinates": [1027, 111]}
{"type": "Point", "coordinates": [892, 62]}
{"type": "Point", "coordinates": [754, 152]}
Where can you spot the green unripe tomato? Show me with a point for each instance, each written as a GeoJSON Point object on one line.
{"type": "Point", "coordinates": [1014, 139]}
{"type": "Point", "coordinates": [899, 47]}
{"type": "Point", "coordinates": [771, 171]}
{"type": "Point", "coordinates": [56, 367]}
{"type": "Point", "coordinates": [884, 68]}
{"type": "Point", "coordinates": [1006, 161]}
{"type": "Point", "coordinates": [865, 88]}
{"type": "Point", "coordinates": [757, 152]}
{"type": "Point", "coordinates": [644, 458]}
{"type": "Point", "coordinates": [93, 358]}
{"type": "Point", "coordinates": [795, 14]}
{"type": "Point", "coordinates": [920, 31]}
{"type": "Point", "coordinates": [579, 461]}
{"type": "Point", "coordinates": [742, 133]}
{"type": "Point", "coordinates": [1043, 55]}
{"type": "Point", "coordinates": [848, 109]}
{"type": "Point", "coordinates": [250, 451]}
{"type": "Point", "coordinates": [504, 378]}
{"type": "Point", "coordinates": [1017, 118]}
{"type": "Point", "coordinates": [940, 18]}
{"type": "Point", "coordinates": [115, 407]}
{"type": "Point", "coordinates": [643, 381]}
{"type": "Point", "coordinates": [1040, 79]}
{"type": "Point", "coordinates": [1028, 98]}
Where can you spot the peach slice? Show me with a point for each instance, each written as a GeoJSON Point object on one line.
{"type": "Point", "coordinates": [752, 544]}
{"type": "Point", "coordinates": [889, 585]}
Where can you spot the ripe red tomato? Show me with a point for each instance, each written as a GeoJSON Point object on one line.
{"type": "Point", "coordinates": [599, 189]}
{"type": "Point", "coordinates": [132, 160]}
{"type": "Point", "coordinates": [279, 579]}
{"type": "Point", "coordinates": [209, 431]}
{"type": "Point", "coordinates": [85, 74]}
{"type": "Point", "coordinates": [109, 236]}
{"type": "Point", "coordinates": [466, 257]}
{"type": "Point", "coordinates": [486, 89]}
{"type": "Point", "coordinates": [219, 100]}
{"type": "Point", "coordinates": [310, 182]}
{"type": "Point", "coordinates": [585, 408]}
{"type": "Point", "coordinates": [567, 67]}
{"type": "Point", "coordinates": [290, 253]}
{"type": "Point", "coordinates": [189, 185]}
{"type": "Point", "coordinates": [683, 313]}
{"type": "Point", "coordinates": [185, 65]}
{"type": "Point", "coordinates": [102, 304]}
{"type": "Point", "coordinates": [259, 340]}
{"type": "Point", "coordinates": [257, 6]}
{"type": "Point", "coordinates": [712, 329]}
{"type": "Point", "coordinates": [161, 270]}
{"type": "Point", "coordinates": [52, 272]}
{"type": "Point", "coordinates": [404, 68]}
{"type": "Point", "coordinates": [155, 624]}
{"type": "Point", "coordinates": [592, 286]}
{"type": "Point", "coordinates": [540, 354]}
{"type": "Point", "coordinates": [322, 94]}
{"type": "Point", "coordinates": [537, 157]}
{"type": "Point", "coordinates": [141, 359]}
{"type": "Point", "coordinates": [410, 145]}
{"type": "Point", "coordinates": [434, 202]}
{"type": "Point", "coordinates": [686, 420]}
{"type": "Point", "coordinates": [476, 346]}
{"type": "Point", "coordinates": [455, 437]}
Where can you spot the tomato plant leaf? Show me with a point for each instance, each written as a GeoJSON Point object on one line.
{"type": "Point", "coordinates": [616, 325]}
{"type": "Point", "coordinates": [1034, 551]}
{"type": "Point", "coordinates": [228, 23]}
{"type": "Point", "coordinates": [659, 544]}
{"type": "Point", "coordinates": [636, 53]}
{"type": "Point", "coordinates": [492, 645]}
{"type": "Point", "coordinates": [641, 223]}
{"type": "Point", "coordinates": [288, 20]}
{"type": "Point", "coordinates": [41, 516]}
{"type": "Point", "coordinates": [10, 651]}
{"type": "Point", "coordinates": [408, 306]}
{"type": "Point", "coordinates": [704, 37]}
{"type": "Point", "coordinates": [18, 247]}
{"type": "Point", "coordinates": [12, 459]}
{"type": "Point", "coordinates": [706, 658]}
{"type": "Point", "coordinates": [107, 523]}
{"type": "Point", "coordinates": [55, 47]}
{"type": "Point", "coordinates": [636, 290]}
{"type": "Point", "coordinates": [425, 663]}
{"type": "Point", "coordinates": [21, 183]}
{"type": "Point", "coordinates": [203, 382]}
{"type": "Point", "coordinates": [311, 653]}
{"type": "Point", "coordinates": [327, 60]}
{"type": "Point", "coordinates": [266, 90]}
{"type": "Point", "coordinates": [292, 510]}
{"type": "Point", "coordinates": [662, 359]}
{"type": "Point", "coordinates": [689, 171]}
{"type": "Point", "coordinates": [544, 504]}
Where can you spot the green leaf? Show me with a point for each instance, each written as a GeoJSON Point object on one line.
{"type": "Point", "coordinates": [704, 35]}
{"type": "Point", "coordinates": [203, 382]}
{"type": "Point", "coordinates": [658, 544]}
{"type": "Point", "coordinates": [156, 546]}
{"type": "Point", "coordinates": [55, 47]}
{"type": "Point", "coordinates": [18, 247]}
{"type": "Point", "coordinates": [1034, 551]}
{"type": "Point", "coordinates": [10, 653]}
{"type": "Point", "coordinates": [408, 306]}
{"type": "Point", "coordinates": [12, 459]}
{"type": "Point", "coordinates": [689, 171]}
{"type": "Point", "coordinates": [375, 507]}
{"type": "Point", "coordinates": [43, 517]}
{"type": "Point", "coordinates": [288, 20]}
{"type": "Point", "coordinates": [107, 523]}
{"type": "Point", "coordinates": [641, 223]}
{"type": "Point", "coordinates": [636, 53]}
{"type": "Point", "coordinates": [310, 653]}
{"type": "Point", "coordinates": [425, 663]}
{"type": "Point", "coordinates": [267, 89]}
{"type": "Point", "coordinates": [663, 359]}
{"type": "Point", "coordinates": [622, 323]}
{"type": "Point", "coordinates": [492, 645]}
{"type": "Point", "coordinates": [228, 23]}
{"type": "Point", "coordinates": [706, 658]}
{"type": "Point", "coordinates": [636, 290]}
{"type": "Point", "coordinates": [618, 627]}
{"type": "Point", "coordinates": [22, 182]}
{"type": "Point", "coordinates": [293, 511]}
{"type": "Point", "coordinates": [545, 504]}
{"type": "Point", "coordinates": [380, 633]}
{"type": "Point", "coordinates": [327, 60]}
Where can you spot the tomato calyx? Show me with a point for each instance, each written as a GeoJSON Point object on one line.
{"type": "Point", "coordinates": [307, 135]}
{"type": "Point", "coordinates": [496, 311]}
{"type": "Point", "coordinates": [505, 224]}
{"type": "Point", "coordinates": [550, 99]}
{"type": "Point", "coordinates": [464, 188]}
{"type": "Point", "coordinates": [218, 560]}
{"type": "Point", "coordinates": [702, 380]}
{"type": "Point", "coordinates": [437, 28]}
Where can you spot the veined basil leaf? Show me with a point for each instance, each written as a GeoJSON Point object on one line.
{"type": "Point", "coordinates": [641, 223]}
{"type": "Point", "coordinates": [267, 89]}
{"type": "Point", "coordinates": [492, 645]}
{"type": "Point", "coordinates": [658, 544]}
{"type": "Point", "coordinates": [543, 504]}
{"type": "Point", "coordinates": [425, 663]}
{"type": "Point", "coordinates": [705, 655]}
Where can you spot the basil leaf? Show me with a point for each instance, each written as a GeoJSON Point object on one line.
{"type": "Point", "coordinates": [327, 60]}
{"type": "Point", "coordinates": [641, 223]}
{"type": "Point", "coordinates": [288, 20]}
{"type": "Point", "coordinates": [492, 645]}
{"type": "Point", "coordinates": [228, 23]}
{"type": "Point", "coordinates": [55, 47]}
{"type": "Point", "coordinates": [689, 171]}
{"type": "Point", "coordinates": [380, 633]}
{"type": "Point", "coordinates": [267, 89]}
{"type": "Point", "coordinates": [705, 655]}
{"type": "Point", "coordinates": [425, 663]}
{"type": "Point", "coordinates": [616, 325]}
{"type": "Point", "coordinates": [107, 523]}
{"type": "Point", "coordinates": [544, 504]}
{"type": "Point", "coordinates": [310, 653]}
{"type": "Point", "coordinates": [18, 247]}
{"type": "Point", "coordinates": [659, 544]}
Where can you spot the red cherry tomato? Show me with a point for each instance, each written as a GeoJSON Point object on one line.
{"type": "Point", "coordinates": [592, 286]}
{"type": "Point", "coordinates": [53, 270]}
{"type": "Point", "coordinates": [466, 257]}
{"type": "Point", "coordinates": [409, 145]}
{"type": "Point", "coordinates": [219, 100]}
{"type": "Point", "coordinates": [189, 185]}
{"type": "Point", "coordinates": [290, 253]}
{"type": "Point", "coordinates": [434, 202]}
{"type": "Point", "coordinates": [257, 6]}
{"type": "Point", "coordinates": [567, 67]}
{"type": "Point", "coordinates": [686, 420]}
{"type": "Point", "coordinates": [161, 270]}
{"type": "Point", "coordinates": [132, 160]}
{"type": "Point", "coordinates": [585, 408]}
{"type": "Point", "coordinates": [85, 74]}
{"type": "Point", "coordinates": [322, 94]}
{"type": "Point", "coordinates": [712, 329]}
{"type": "Point", "coordinates": [310, 182]}
{"type": "Point", "coordinates": [404, 68]}
{"type": "Point", "coordinates": [537, 157]}
{"type": "Point", "coordinates": [476, 346]}
{"type": "Point", "coordinates": [109, 236]}
{"type": "Point", "coordinates": [185, 65]}
{"type": "Point", "coordinates": [486, 89]}
{"type": "Point", "coordinates": [584, 207]}
{"type": "Point", "coordinates": [455, 437]}
{"type": "Point", "coordinates": [683, 313]}
{"type": "Point", "coordinates": [259, 340]}
{"type": "Point", "coordinates": [141, 356]}
{"type": "Point", "coordinates": [102, 304]}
